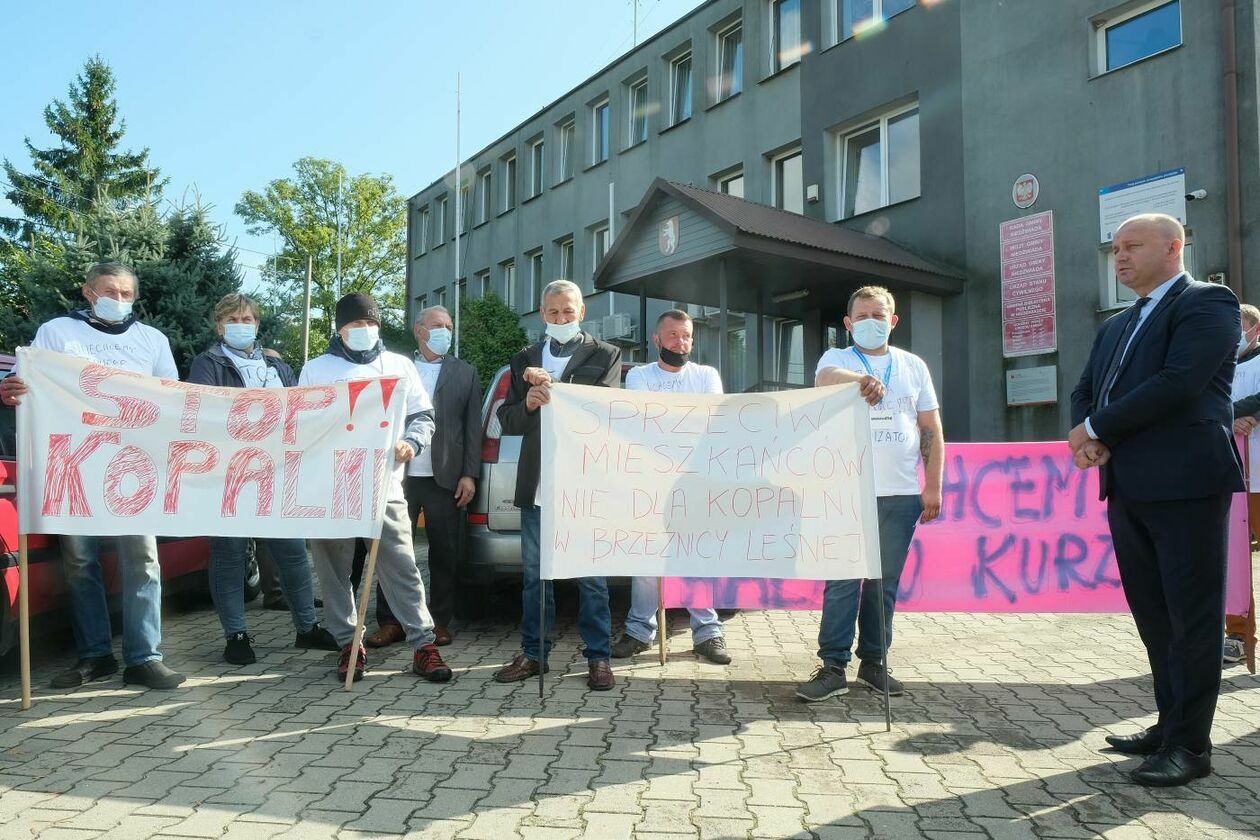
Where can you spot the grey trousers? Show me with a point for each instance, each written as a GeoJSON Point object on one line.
{"type": "Point", "coordinates": [395, 571]}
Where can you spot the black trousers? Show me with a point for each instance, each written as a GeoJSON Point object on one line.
{"type": "Point", "coordinates": [443, 525]}
{"type": "Point", "coordinates": [1172, 557]}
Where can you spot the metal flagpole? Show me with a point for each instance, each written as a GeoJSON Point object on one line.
{"type": "Point", "coordinates": [542, 633]}
{"type": "Point", "coordinates": [660, 616]}
{"type": "Point", "coordinates": [883, 649]}
{"type": "Point", "coordinates": [459, 212]}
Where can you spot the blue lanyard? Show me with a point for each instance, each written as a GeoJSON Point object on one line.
{"type": "Point", "coordinates": [866, 364]}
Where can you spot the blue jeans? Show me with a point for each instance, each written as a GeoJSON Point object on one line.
{"type": "Point", "coordinates": [141, 595]}
{"type": "Point", "coordinates": [228, 556]}
{"type": "Point", "coordinates": [845, 601]}
{"type": "Point", "coordinates": [641, 620]}
{"type": "Point", "coordinates": [594, 616]}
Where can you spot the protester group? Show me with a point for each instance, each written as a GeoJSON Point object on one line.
{"type": "Point", "coordinates": [1154, 411]}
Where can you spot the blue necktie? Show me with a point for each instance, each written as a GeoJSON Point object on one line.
{"type": "Point", "coordinates": [1113, 370]}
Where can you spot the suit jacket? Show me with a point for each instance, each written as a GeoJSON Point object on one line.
{"type": "Point", "coordinates": [456, 443]}
{"type": "Point", "coordinates": [1168, 421]}
{"type": "Point", "coordinates": [594, 363]}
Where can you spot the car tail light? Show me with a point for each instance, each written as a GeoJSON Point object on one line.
{"type": "Point", "coordinates": [491, 431]}
{"type": "Point", "coordinates": [478, 519]}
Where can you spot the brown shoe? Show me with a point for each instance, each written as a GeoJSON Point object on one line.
{"type": "Point", "coordinates": [386, 635]}
{"type": "Point", "coordinates": [600, 677]}
{"type": "Point", "coordinates": [520, 668]}
{"type": "Point", "coordinates": [441, 636]}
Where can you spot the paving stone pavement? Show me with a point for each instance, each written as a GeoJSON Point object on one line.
{"type": "Point", "coordinates": [998, 736]}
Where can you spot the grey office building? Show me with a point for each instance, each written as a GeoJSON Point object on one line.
{"type": "Point", "coordinates": [759, 159]}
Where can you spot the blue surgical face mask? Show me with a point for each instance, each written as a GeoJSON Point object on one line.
{"type": "Point", "coordinates": [1243, 343]}
{"type": "Point", "coordinates": [111, 309]}
{"type": "Point", "coordinates": [240, 336]}
{"type": "Point", "coordinates": [439, 341]}
{"type": "Point", "coordinates": [362, 339]}
{"type": "Point", "coordinates": [871, 333]}
{"type": "Point", "coordinates": [564, 333]}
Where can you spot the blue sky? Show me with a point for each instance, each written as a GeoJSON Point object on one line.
{"type": "Point", "coordinates": [228, 95]}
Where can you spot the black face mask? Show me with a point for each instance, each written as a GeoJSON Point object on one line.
{"type": "Point", "coordinates": [673, 359]}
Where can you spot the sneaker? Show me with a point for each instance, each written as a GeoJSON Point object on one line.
{"type": "Point", "coordinates": [827, 681]}
{"type": "Point", "coordinates": [238, 650]}
{"type": "Point", "coordinates": [1235, 650]}
{"type": "Point", "coordinates": [153, 674]}
{"type": "Point", "coordinates": [343, 665]}
{"type": "Point", "coordinates": [627, 646]}
{"type": "Point", "coordinates": [86, 670]}
{"type": "Point", "coordinates": [428, 663]}
{"type": "Point", "coordinates": [714, 650]}
{"type": "Point", "coordinates": [317, 638]}
{"type": "Point", "coordinates": [872, 674]}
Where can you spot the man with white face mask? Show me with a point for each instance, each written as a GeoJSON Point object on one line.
{"type": "Point", "coordinates": [110, 335]}
{"type": "Point", "coordinates": [905, 429]}
{"type": "Point", "coordinates": [441, 479]}
{"type": "Point", "coordinates": [566, 354]}
{"type": "Point", "coordinates": [356, 352]}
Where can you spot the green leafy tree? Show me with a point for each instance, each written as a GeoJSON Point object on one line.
{"type": "Point", "coordinates": [489, 334]}
{"type": "Point", "coordinates": [86, 167]}
{"type": "Point", "coordinates": [311, 216]}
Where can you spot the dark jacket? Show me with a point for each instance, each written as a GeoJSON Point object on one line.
{"type": "Point", "coordinates": [213, 367]}
{"type": "Point", "coordinates": [594, 363]}
{"type": "Point", "coordinates": [456, 443]}
{"type": "Point", "coordinates": [1168, 421]}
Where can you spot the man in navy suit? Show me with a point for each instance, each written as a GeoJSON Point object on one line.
{"type": "Point", "coordinates": [1152, 410]}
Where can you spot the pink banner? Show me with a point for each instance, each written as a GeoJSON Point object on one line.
{"type": "Point", "coordinates": [1021, 530]}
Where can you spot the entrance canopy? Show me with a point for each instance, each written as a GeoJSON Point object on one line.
{"type": "Point", "coordinates": [695, 246]}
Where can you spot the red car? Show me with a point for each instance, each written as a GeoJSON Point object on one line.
{"type": "Point", "coordinates": [183, 560]}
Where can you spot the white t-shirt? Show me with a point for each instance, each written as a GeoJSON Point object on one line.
{"type": "Point", "coordinates": [255, 373]}
{"type": "Point", "coordinates": [1246, 383]}
{"type": "Point", "coordinates": [895, 421]}
{"type": "Point", "coordinates": [554, 365]}
{"type": "Point", "coordinates": [422, 464]}
{"type": "Point", "coordinates": [139, 349]}
{"type": "Point", "coordinates": [328, 368]}
{"type": "Point", "coordinates": [692, 379]}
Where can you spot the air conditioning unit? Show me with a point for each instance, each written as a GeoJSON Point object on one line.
{"type": "Point", "coordinates": [617, 326]}
{"type": "Point", "coordinates": [533, 335]}
{"type": "Point", "coordinates": [595, 329]}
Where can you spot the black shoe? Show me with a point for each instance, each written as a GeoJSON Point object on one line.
{"type": "Point", "coordinates": [1148, 742]}
{"type": "Point", "coordinates": [276, 604]}
{"type": "Point", "coordinates": [153, 674]}
{"type": "Point", "coordinates": [86, 670]}
{"type": "Point", "coordinates": [317, 638]}
{"type": "Point", "coordinates": [872, 674]}
{"type": "Point", "coordinates": [713, 650]}
{"type": "Point", "coordinates": [1173, 766]}
{"type": "Point", "coordinates": [319, 603]}
{"type": "Point", "coordinates": [238, 650]}
{"type": "Point", "coordinates": [627, 646]}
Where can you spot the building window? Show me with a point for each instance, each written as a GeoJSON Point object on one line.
{"type": "Point", "coordinates": [482, 279]}
{"type": "Point", "coordinates": [881, 162]}
{"type": "Point", "coordinates": [565, 254]}
{"type": "Point", "coordinates": [439, 222]}
{"type": "Point", "coordinates": [537, 158]}
{"type": "Point", "coordinates": [789, 182]}
{"type": "Point", "coordinates": [465, 208]}
{"type": "Point", "coordinates": [509, 183]}
{"type": "Point", "coordinates": [785, 25]}
{"type": "Point", "coordinates": [1116, 295]}
{"type": "Point", "coordinates": [859, 15]}
{"type": "Point", "coordinates": [1138, 33]}
{"type": "Point", "coordinates": [485, 196]}
{"type": "Point", "coordinates": [599, 245]}
{"type": "Point", "coordinates": [680, 89]}
{"type": "Point", "coordinates": [638, 113]}
{"type": "Point", "coordinates": [599, 132]}
{"type": "Point", "coordinates": [422, 230]}
{"type": "Point", "coordinates": [730, 68]}
{"type": "Point", "coordinates": [536, 281]}
{"type": "Point", "coordinates": [462, 289]}
{"type": "Point", "coordinates": [507, 286]}
{"type": "Point", "coordinates": [422, 303]}
{"type": "Point", "coordinates": [440, 296]}
{"type": "Point", "coordinates": [732, 184]}
{"type": "Point", "coordinates": [568, 144]}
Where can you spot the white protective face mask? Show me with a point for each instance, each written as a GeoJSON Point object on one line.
{"type": "Point", "coordinates": [362, 339]}
{"type": "Point", "coordinates": [871, 333]}
{"type": "Point", "coordinates": [564, 333]}
{"type": "Point", "coordinates": [439, 341]}
{"type": "Point", "coordinates": [1243, 343]}
{"type": "Point", "coordinates": [110, 309]}
{"type": "Point", "coordinates": [240, 336]}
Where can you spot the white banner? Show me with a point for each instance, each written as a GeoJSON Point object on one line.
{"type": "Point", "coordinates": [774, 485]}
{"type": "Point", "coordinates": [106, 452]}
